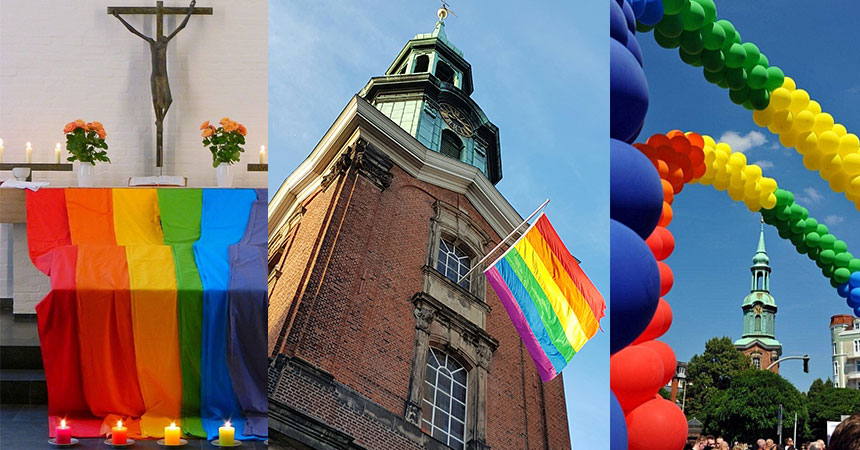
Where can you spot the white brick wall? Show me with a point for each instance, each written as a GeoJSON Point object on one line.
{"type": "Point", "coordinates": [60, 61]}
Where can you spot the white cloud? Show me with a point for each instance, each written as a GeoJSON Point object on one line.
{"type": "Point", "coordinates": [764, 164]}
{"type": "Point", "coordinates": [743, 143]}
{"type": "Point", "coordinates": [833, 219]}
{"type": "Point", "coordinates": [809, 196]}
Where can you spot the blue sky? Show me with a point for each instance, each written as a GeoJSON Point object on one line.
{"type": "Point", "coordinates": [716, 237]}
{"type": "Point", "coordinates": [540, 74]}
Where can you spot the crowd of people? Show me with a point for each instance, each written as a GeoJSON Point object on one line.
{"type": "Point", "coordinates": [845, 437]}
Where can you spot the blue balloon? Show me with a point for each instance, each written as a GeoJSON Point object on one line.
{"type": "Point", "coordinates": [629, 16]}
{"type": "Point", "coordinates": [634, 286]}
{"type": "Point", "coordinates": [633, 46]}
{"type": "Point", "coordinates": [854, 280]}
{"type": "Point", "coordinates": [652, 14]}
{"type": "Point", "coordinates": [844, 290]}
{"type": "Point", "coordinates": [617, 425]}
{"type": "Point", "coordinates": [638, 7]}
{"type": "Point", "coordinates": [628, 93]}
{"type": "Point", "coordinates": [854, 298]}
{"type": "Point", "coordinates": [617, 23]}
{"type": "Point", "coordinates": [635, 190]}
{"type": "Point", "coordinates": [857, 310]}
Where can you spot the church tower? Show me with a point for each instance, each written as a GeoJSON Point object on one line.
{"type": "Point", "coordinates": [374, 341]}
{"type": "Point", "coordinates": [759, 307]}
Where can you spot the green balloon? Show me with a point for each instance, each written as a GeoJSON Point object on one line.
{"type": "Point", "coordinates": [712, 77]}
{"type": "Point", "coordinates": [691, 42]}
{"type": "Point", "coordinates": [723, 84]}
{"type": "Point", "coordinates": [748, 105]}
{"type": "Point", "coordinates": [762, 60]}
{"type": "Point", "coordinates": [826, 242]}
{"type": "Point", "coordinates": [736, 77]}
{"type": "Point", "coordinates": [757, 78]}
{"type": "Point", "coordinates": [854, 265]}
{"type": "Point", "coordinates": [784, 233]}
{"type": "Point", "coordinates": [822, 229]}
{"type": "Point", "coordinates": [821, 265]}
{"type": "Point", "coordinates": [840, 247]}
{"type": "Point", "coordinates": [753, 54]}
{"type": "Point", "coordinates": [834, 283]}
{"type": "Point", "coordinates": [775, 77]}
{"type": "Point", "coordinates": [739, 96]}
{"type": "Point", "coordinates": [693, 16]}
{"type": "Point", "coordinates": [842, 259]}
{"type": "Point", "coordinates": [670, 26]}
{"type": "Point", "coordinates": [796, 239]}
{"type": "Point", "coordinates": [783, 197]}
{"type": "Point", "coordinates": [729, 31]}
{"type": "Point", "coordinates": [760, 98]}
{"type": "Point", "coordinates": [642, 28]}
{"type": "Point", "coordinates": [804, 213]}
{"type": "Point", "coordinates": [796, 212]}
{"type": "Point", "coordinates": [798, 226]}
{"type": "Point", "coordinates": [811, 225]}
{"type": "Point", "coordinates": [813, 253]}
{"type": "Point", "coordinates": [827, 256]}
{"type": "Point", "coordinates": [812, 239]}
{"type": "Point", "coordinates": [736, 56]}
{"type": "Point", "coordinates": [693, 59]}
{"type": "Point", "coordinates": [782, 211]}
{"type": "Point", "coordinates": [674, 6]}
{"type": "Point", "coordinates": [666, 42]}
{"type": "Point", "coordinates": [801, 248]}
{"type": "Point", "coordinates": [710, 10]}
{"type": "Point", "coordinates": [713, 36]}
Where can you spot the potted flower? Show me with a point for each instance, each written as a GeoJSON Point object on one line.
{"type": "Point", "coordinates": [82, 141]}
{"type": "Point", "coordinates": [225, 143]}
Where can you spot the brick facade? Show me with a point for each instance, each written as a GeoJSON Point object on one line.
{"type": "Point", "coordinates": [341, 327]}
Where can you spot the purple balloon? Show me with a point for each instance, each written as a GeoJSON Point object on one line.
{"type": "Point", "coordinates": [628, 93]}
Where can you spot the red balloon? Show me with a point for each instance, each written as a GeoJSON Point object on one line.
{"type": "Point", "coordinates": [681, 144]}
{"type": "Point", "coordinates": [668, 357]}
{"type": "Point", "coordinates": [666, 278]}
{"type": "Point", "coordinates": [655, 244]}
{"type": "Point", "coordinates": [668, 241]}
{"type": "Point", "coordinates": [658, 140]}
{"type": "Point", "coordinates": [635, 375]}
{"type": "Point", "coordinates": [674, 133]}
{"type": "Point", "coordinates": [656, 424]}
{"type": "Point", "coordinates": [696, 140]}
{"type": "Point", "coordinates": [659, 325]}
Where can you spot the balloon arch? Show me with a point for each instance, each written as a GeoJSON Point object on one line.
{"type": "Point", "coordinates": [645, 177]}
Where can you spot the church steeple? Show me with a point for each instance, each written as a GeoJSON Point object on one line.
{"type": "Point", "coordinates": [761, 266]}
{"type": "Point", "coordinates": [427, 92]}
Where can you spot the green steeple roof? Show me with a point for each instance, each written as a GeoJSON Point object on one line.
{"type": "Point", "coordinates": [760, 258]}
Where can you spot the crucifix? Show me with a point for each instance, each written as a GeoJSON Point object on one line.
{"type": "Point", "coordinates": [161, 98]}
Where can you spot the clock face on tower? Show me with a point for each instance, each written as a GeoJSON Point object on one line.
{"type": "Point", "coordinates": [457, 120]}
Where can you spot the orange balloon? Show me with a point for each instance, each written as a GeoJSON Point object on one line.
{"type": "Point", "coordinates": [696, 140]}
{"type": "Point", "coordinates": [662, 168]}
{"type": "Point", "coordinates": [666, 216]}
{"type": "Point", "coordinates": [668, 191]}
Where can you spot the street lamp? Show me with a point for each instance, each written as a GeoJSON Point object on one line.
{"type": "Point", "coordinates": [805, 359]}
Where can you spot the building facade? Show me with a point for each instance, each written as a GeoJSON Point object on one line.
{"type": "Point", "coordinates": [845, 340]}
{"type": "Point", "coordinates": [377, 338]}
{"type": "Point", "coordinates": [759, 327]}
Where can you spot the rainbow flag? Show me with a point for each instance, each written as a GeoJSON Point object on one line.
{"type": "Point", "coordinates": [552, 303]}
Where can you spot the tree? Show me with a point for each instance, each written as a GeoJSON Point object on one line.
{"type": "Point", "coordinates": [749, 408]}
{"type": "Point", "coordinates": [827, 402]}
{"type": "Point", "coordinates": [711, 372]}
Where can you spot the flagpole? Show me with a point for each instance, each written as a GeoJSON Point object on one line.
{"type": "Point", "coordinates": [541, 207]}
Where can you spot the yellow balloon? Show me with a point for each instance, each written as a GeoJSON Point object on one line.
{"type": "Point", "coordinates": [752, 204]}
{"type": "Point", "coordinates": [851, 164]}
{"type": "Point", "coordinates": [799, 101]}
{"type": "Point", "coordinates": [752, 172]}
{"type": "Point", "coordinates": [736, 194]}
{"type": "Point", "coordinates": [788, 139]}
{"type": "Point", "coordinates": [721, 183]}
{"type": "Point", "coordinates": [806, 142]}
{"type": "Point", "coordinates": [803, 121]}
{"type": "Point", "coordinates": [840, 129]}
{"type": "Point", "coordinates": [829, 166]}
{"type": "Point", "coordinates": [854, 186]}
{"type": "Point", "coordinates": [780, 99]}
{"type": "Point", "coordinates": [782, 121]}
{"type": "Point", "coordinates": [762, 117]}
{"type": "Point", "coordinates": [827, 142]}
{"type": "Point", "coordinates": [812, 160]}
{"type": "Point", "coordinates": [770, 203]}
{"type": "Point", "coordinates": [737, 160]}
{"type": "Point", "coordinates": [767, 184]}
{"type": "Point", "coordinates": [722, 147]}
{"type": "Point", "coordinates": [752, 190]}
{"type": "Point", "coordinates": [839, 182]}
{"type": "Point", "coordinates": [789, 84]}
{"type": "Point", "coordinates": [813, 107]}
{"type": "Point", "coordinates": [823, 122]}
{"type": "Point", "coordinates": [848, 144]}
{"type": "Point", "coordinates": [709, 141]}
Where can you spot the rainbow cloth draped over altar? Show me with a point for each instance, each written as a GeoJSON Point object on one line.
{"type": "Point", "coordinates": [157, 308]}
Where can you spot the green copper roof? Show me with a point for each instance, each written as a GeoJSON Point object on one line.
{"type": "Point", "coordinates": [766, 341]}
{"type": "Point", "coordinates": [439, 33]}
{"type": "Point", "coordinates": [761, 258]}
{"type": "Point", "coordinates": [759, 296]}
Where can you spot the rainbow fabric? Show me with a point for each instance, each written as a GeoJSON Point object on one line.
{"type": "Point", "coordinates": [139, 322]}
{"type": "Point", "coordinates": [552, 303]}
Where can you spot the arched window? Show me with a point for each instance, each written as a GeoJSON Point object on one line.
{"type": "Point", "coordinates": [453, 262]}
{"type": "Point", "coordinates": [759, 282]}
{"type": "Point", "coordinates": [756, 362]}
{"type": "Point", "coordinates": [444, 72]}
{"type": "Point", "coordinates": [758, 322]}
{"type": "Point", "coordinates": [451, 146]}
{"type": "Point", "coordinates": [422, 64]}
{"type": "Point", "coordinates": [444, 406]}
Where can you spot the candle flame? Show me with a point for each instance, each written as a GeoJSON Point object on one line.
{"type": "Point", "coordinates": [119, 423]}
{"type": "Point", "coordinates": [227, 424]}
{"type": "Point", "coordinates": [63, 423]}
{"type": "Point", "coordinates": [262, 148]}
{"type": "Point", "coordinates": [29, 145]}
{"type": "Point", "coordinates": [172, 424]}
{"type": "Point", "coordinates": [58, 146]}
{"type": "Point", "coordinates": [1, 142]}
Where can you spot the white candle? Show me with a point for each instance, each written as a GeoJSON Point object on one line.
{"type": "Point", "coordinates": [262, 154]}
{"type": "Point", "coordinates": [57, 152]}
{"type": "Point", "coordinates": [1, 150]}
{"type": "Point", "coordinates": [29, 151]}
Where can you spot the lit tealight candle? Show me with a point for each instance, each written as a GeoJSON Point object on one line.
{"type": "Point", "coordinates": [262, 154]}
{"type": "Point", "coordinates": [226, 434]}
{"type": "Point", "coordinates": [1, 150]}
{"type": "Point", "coordinates": [119, 434]}
{"type": "Point", "coordinates": [171, 434]}
{"type": "Point", "coordinates": [29, 151]}
{"type": "Point", "coordinates": [64, 433]}
{"type": "Point", "coordinates": [57, 152]}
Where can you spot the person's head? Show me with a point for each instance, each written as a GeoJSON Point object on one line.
{"type": "Point", "coordinates": [701, 442]}
{"type": "Point", "coordinates": [815, 446]}
{"type": "Point", "coordinates": [821, 444]}
{"type": "Point", "coordinates": [722, 445]}
{"type": "Point", "coordinates": [846, 436]}
{"type": "Point", "coordinates": [711, 441]}
{"type": "Point", "coordinates": [789, 441]}
{"type": "Point", "coordinates": [769, 443]}
{"type": "Point", "coordinates": [720, 439]}
{"type": "Point", "coordinates": [760, 443]}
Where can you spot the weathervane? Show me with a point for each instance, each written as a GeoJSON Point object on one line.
{"type": "Point", "coordinates": [443, 12]}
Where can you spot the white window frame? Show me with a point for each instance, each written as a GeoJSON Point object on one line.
{"type": "Point", "coordinates": [450, 251]}
{"type": "Point", "coordinates": [756, 362]}
{"type": "Point", "coordinates": [835, 369]}
{"type": "Point", "coordinates": [856, 346]}
{"type": "Point", "coordinates": [431, 411]}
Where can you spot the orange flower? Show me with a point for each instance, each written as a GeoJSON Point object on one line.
{"type": "Point", "coordinates": [231, 126]}
{"type": "Point", "coordinates": [208, 131]}
{"type": "Point", "coordinates": [205, 125]}
{"type": "Point", "coordinates": [225, 121]}
{"type": "Point", "coordinates": [69, 127]}
{"type": "Point", "coordinates": [101, 133]}
{"type": "Point", "coordinates": [81, 124]}
{"type": "Point", "coordinates": [242, 130]}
